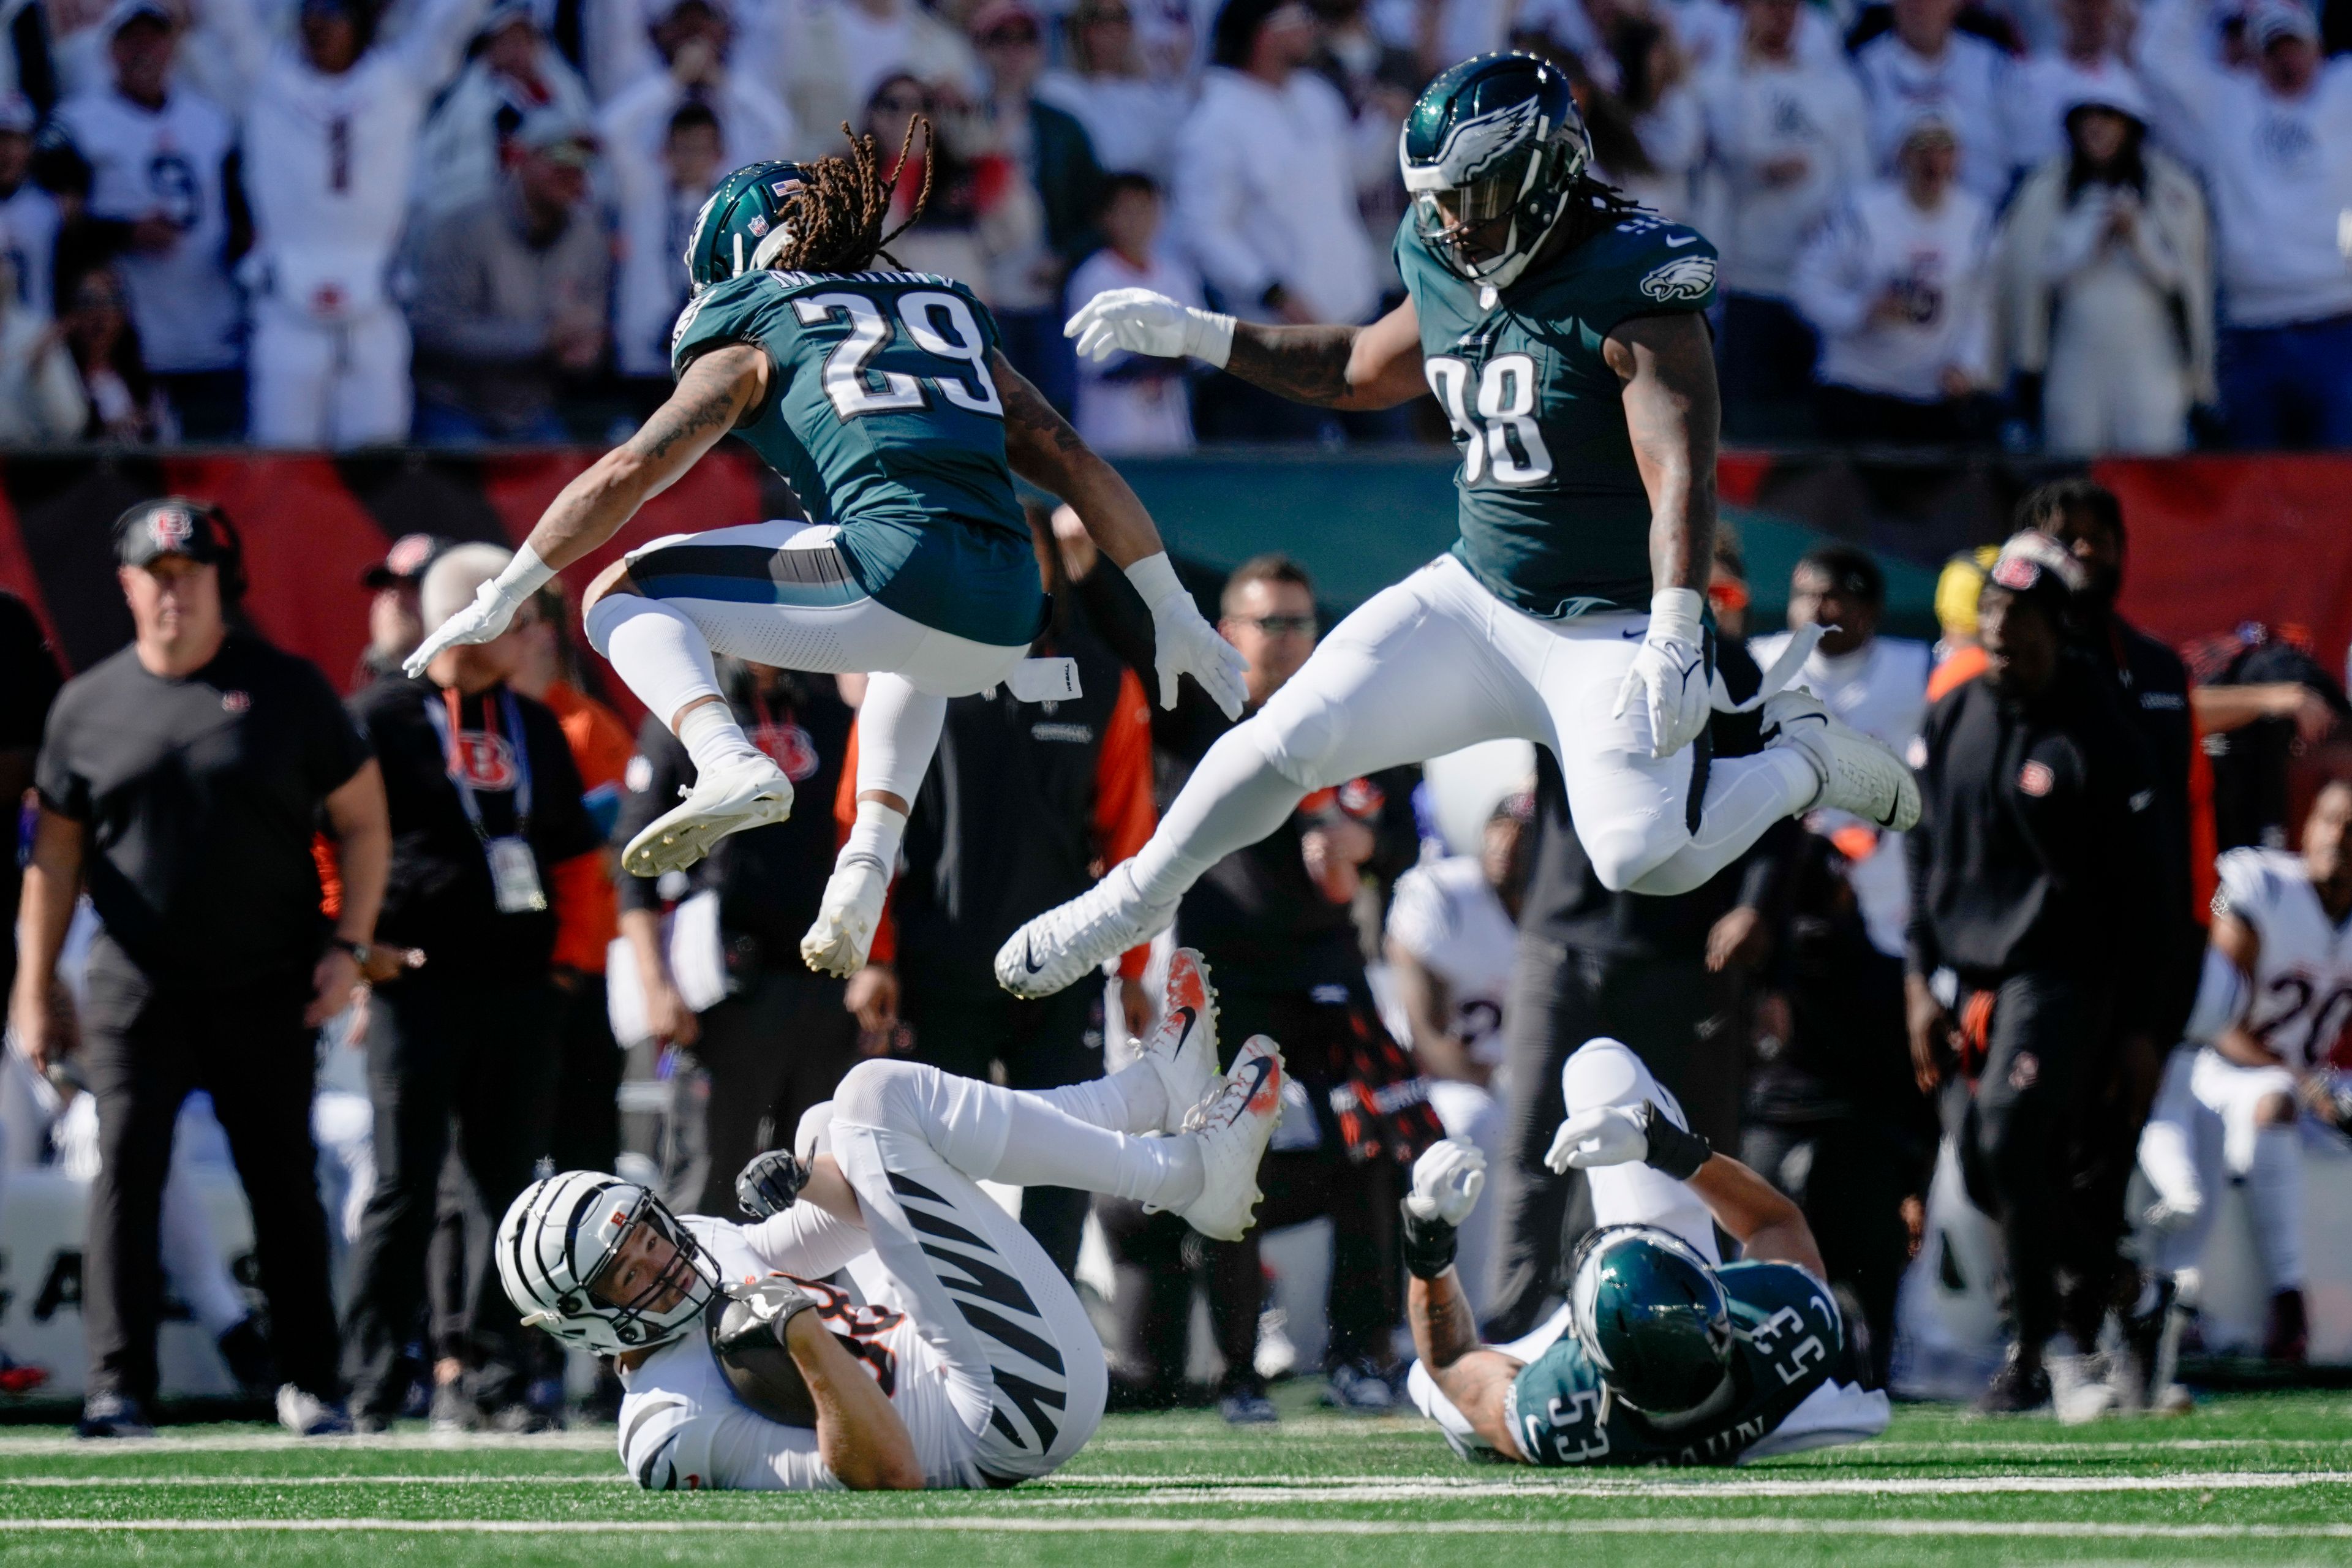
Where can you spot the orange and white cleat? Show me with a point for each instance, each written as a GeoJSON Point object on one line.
{"type": "Point", "coordinates": [1233, 1126]}
{"type": "Point", "coordinates": [1183, 1049]}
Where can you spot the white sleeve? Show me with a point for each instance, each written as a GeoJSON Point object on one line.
{"type": "Point", "coordinates": [749, 1453]}
{"type": "Point", "coordinates": [2186, 84]}
{"type": "Point", "coordinates": [1829, 285]}
{"type": "Point", "coordinates": [2245, 886]}
{"type": "Point", "coordinates": [1417, 920]}
{"type": "Point", "coordinates": [1972, 346]}
{"type": "Point", "coordinates": [807, 1241]}
{"type": "Point", "coordinates": [433, 47]}
{"type": "Point", "coordinates": [1206, 206]}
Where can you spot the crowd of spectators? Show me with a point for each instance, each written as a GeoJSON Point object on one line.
{"type": "Point", "coordinates": [2077, 225]}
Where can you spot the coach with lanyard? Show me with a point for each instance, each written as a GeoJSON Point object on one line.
{"type": "Point", "coordinates": [181, 781]}
{"type": "Point", "coordinates": [494, 858]}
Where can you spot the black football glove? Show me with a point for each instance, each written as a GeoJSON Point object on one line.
{"type": "Point", "coordinates": [771, 1184]}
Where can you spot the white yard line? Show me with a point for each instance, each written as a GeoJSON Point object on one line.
{"type": "Point", "coordinates": [617, 1478]}
{"type": "Point", "coordinates": [597, 1441]}
{"type": "Point", "coordinates": [993, 1523]}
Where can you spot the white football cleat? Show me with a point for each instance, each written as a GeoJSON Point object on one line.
{"type": "Point", "coordinates": [1231, 1128]}
{"type": "Point", "coordinates": [1858, 774]}
{"type": "Point", "coordinates": [846, 919]}
{"type": "Point", "coordinates": [1183, 1049]}
{"type": "Point", "coordinates": [752, 793]}
{"type": "Point", "coordinates": [1071, 940]}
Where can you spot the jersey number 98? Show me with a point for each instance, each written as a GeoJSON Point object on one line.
{"type": "Point", "coordinates": [1501, 436]}
{"type": "Point", "coordinates": [940, 324]}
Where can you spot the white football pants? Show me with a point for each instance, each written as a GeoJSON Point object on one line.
{"type": "Point", "coordinates": [2202, 1129]}
{"type": "Point", "coordinates": [1028, 1373]}
{"type": "Point", "coordinates": [1437, 663]}
{"type": "Point", "coordinates": [329, 385]}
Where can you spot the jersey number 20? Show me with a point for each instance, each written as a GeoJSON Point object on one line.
{"type": "Point", "coordinates": [1500, 437]}
{"type": "Point", "coordinates": [940, 323]}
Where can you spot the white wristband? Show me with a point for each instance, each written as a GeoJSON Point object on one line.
{"type": "Point", "coordinates": [1674, 614]}
{"type": "Point", "coordinates": [1154, 578]}
{"type": "Point", "coordinates": [524, 575]}
{"type": "Point", "coordinates": [1212, 335]}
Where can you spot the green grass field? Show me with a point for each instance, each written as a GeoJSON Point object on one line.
{"type": "Point", "coordinates": [2247, 1478]}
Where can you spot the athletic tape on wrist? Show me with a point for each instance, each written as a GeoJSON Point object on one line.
{"type": "Point", "coordinates": [1673, 1150]}
{"type": "Point", "coordinates": [1429, 1244]}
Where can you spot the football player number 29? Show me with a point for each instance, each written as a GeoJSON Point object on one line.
{"type": "Point", "coordinates": [940, 324]}
{"type": "Point", "coordinates": [1498, 427]}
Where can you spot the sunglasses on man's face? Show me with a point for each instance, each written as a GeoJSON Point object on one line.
{"type": "Point", "coordinates": [1280, 626]}
{"type": "Point", "coordinates": [1010, 37]}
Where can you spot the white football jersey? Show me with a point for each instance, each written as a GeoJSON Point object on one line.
{"type": "Point", "coordinates": [2302, 1000]}
{"type": "Point", "coordinates": [683, 1429]}
{"type": "Point", "coordinates": [328, 161]}
{"type": "Point", "coordinates": [183, 302]}
{"type": "Point", "coordinates": [1446, 915]}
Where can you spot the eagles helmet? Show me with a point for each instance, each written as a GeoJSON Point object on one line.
{"type": "Point", "coordinates": [741, 228]}
{"type": "Point", "coordinates": [1653, 1316]}
{"type": "Point", "coordinates": [565, 1233]}
{"type": "Point", "coordinates": [1495, 138]}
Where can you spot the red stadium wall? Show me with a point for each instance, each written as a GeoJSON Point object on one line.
{"type": "Point", "coordinates": [2214, 540]}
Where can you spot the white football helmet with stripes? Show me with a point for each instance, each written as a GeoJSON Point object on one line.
{"type": "Point", "coordinates": [567, 1232]}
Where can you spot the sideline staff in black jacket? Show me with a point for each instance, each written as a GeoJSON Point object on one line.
{"type": "Point", "coordinates": [2033, 879]}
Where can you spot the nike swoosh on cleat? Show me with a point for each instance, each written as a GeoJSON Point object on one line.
{"type": "Point", "coordinates": [1190, 1015]}
{"type": "Point", "coordinates": [1678, 244]}
{"type": "Point", "coordinates": [1029, 954]}
{"type": "Point", "coordinates": [1264, 1067]}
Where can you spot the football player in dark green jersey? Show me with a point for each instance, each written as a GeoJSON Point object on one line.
{"type": "Point", "coordinates": [1561, 327]}
{"type": "Point", "coordinates": [883, 397]}
{"type": "Point", "coordinates": [1663, 1354]}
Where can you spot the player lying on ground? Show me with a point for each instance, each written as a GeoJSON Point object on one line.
{"type": "Point", "coordinates": [1663, 1354]}
{"type": "Point", "coordinates": [2270, 1016]}
{"type": "Point", "coordinates": [881, 394]}
{"type": "Point", "coordinates": [1561, 327]}
{"type": "Point", "coordinates": [972, 1364]}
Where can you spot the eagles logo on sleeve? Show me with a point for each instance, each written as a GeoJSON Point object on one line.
{"type": "Point", "coordinates": [1684, 278]}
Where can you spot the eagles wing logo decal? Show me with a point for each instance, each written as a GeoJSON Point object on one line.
{"type": "Point", "coordinates": [1685, 277]}
{"type": "Point", "coordinates": [1474, 144]}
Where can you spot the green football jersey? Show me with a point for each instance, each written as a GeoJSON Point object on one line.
{"type": "Point", "coordinates": [883, 416]}
{"type": "Point", "coordinates": [1554, 516]}
{"type": "Point", "coordinates": [1786, 1336]}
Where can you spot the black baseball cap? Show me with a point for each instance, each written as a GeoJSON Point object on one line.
{"type": "Point", "coordinates": [171, 526]}
{"type": "Point", "coordinates": [411, 556]}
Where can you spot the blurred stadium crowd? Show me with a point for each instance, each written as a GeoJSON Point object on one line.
{"type": "Point", "coordinates": [2079, 226]}
{"type": "Point", "coordinates": [416, 890]}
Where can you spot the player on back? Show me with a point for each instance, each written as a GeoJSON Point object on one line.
{"type": "Point", "coordinates": [972, 1362]}
{"type": "Point", "coordinates": [881, 394]}
{"type": "Point", "coordinates": [1561, 327]}
{"type": "Point", "coordinates": [1662, 1355]}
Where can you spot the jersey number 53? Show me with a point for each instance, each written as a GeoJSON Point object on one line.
{"type": "Point", "coordinates": [1500, 437]}
{"type": "Point", "coordinates": [939, 323]}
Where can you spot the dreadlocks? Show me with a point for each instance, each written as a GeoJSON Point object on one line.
{"type": "Point", "coordinates": [836, 215]}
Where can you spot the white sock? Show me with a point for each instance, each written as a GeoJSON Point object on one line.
{"type": "Point", "coordinates": [665, 659]}
{"type": "Point", "coordinates": [713, 739]}
{"type": "Point", "coordinates": [1131, 1099]}
{"type": "Point", "coordinates": [874, 837]}
{"type": "Point", "coordinates": [2274, 1198]}
{"type": "Point", "coordinates": [1234, 798]}
{"type": "Point", "coordinates": [1745, 796]}
{"type": "Point", "coordinates": [1048, 1147]}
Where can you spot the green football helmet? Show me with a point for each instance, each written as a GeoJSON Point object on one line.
{"type": "Point", "coordinates": [1654, 1317]}
{"type": "Point", "coordinates": [1491, 154]}
{"type": "Point", "coordinates": [742, 227]}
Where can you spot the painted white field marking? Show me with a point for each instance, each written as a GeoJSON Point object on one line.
{"type": "Point", "coordinates": [1081, 1491]}
{"type": "Point", "coordinates": [992, 1523]}
{"type": "Point", "coordinates": [594, 1440]}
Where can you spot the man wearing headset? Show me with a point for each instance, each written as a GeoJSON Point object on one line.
{"type": "Point", "coordinates": [180, 780]}
{"type": "Point", "coordinates": [1663, 1354]}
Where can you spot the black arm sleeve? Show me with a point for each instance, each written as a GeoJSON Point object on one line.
{"type": "Point", "coordinates": [1921, 955]}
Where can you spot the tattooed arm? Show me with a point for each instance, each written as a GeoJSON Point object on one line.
{"type": "Point", "coordinates": [1044, 450]}
{"type": "Point", "coordinates": [1476, 1379]}
{"type": "Point", "coordinates": [714, 394]}
{"type": "Point", "coordinates": [1377, 366]}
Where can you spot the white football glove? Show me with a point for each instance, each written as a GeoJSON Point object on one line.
{"type": "Point", "coordinates": [1669, 676]}
{"type": "Point", "coordinates": [494, 603]}
{"type": "Point", "coordinates": [1182, 642]}
{"type": "Point", "coordinates": [1143, 322]}
{"type": "Point", "coordinates": [1447, 1179]}
{"type": "Point", "coordinates": [1604, 1135]}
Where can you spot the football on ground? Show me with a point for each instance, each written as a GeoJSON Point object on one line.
{"type": "Point", "coordinates": [2244, 1479]}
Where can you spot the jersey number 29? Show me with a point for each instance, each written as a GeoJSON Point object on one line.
{"type": "Point", "coordinates": [1500, 437]}
{"type": "Point", "coordinates": [940, 325]}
